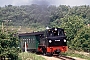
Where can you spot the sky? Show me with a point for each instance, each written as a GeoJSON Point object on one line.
{"type": "Point", "coordinates": [48, 2]}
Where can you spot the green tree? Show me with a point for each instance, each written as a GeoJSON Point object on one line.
{"type": "Point", "coordinates": [71, 24]}
{"type": "Point", "coordinates": [82, 40]}
{"type": "Point", "coordinates": [8, 46]}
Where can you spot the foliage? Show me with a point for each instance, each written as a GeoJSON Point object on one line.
{"type": "Point", "coordinates": [8, 46]}
{"type": "Point", "coordinates": [73, 54]}
{"type": "Point", "coordinates": [82, 39]}
{"type": "Point", "coordinates": [72, 24]}
{"type": "Point", "coordinates": [27, 15]}
{"type": "Point", "coordinates": [30, 56]}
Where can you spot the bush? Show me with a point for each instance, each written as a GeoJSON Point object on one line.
{"type": "Point", "coordinates": [8, 46]}
{"type": "Point", "coordinates": [26, 55]}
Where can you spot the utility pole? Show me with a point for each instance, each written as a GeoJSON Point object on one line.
{"type": "Point", "coordinates": [6, 25]}
{"type": "Point", "coordinates": [2, 27]}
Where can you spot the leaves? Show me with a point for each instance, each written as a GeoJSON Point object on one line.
{"type": "Point", "coordinates": [8, 45]}
{"type": "Point", "coordinates": [83, 39]}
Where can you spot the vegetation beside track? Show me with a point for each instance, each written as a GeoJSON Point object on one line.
{"type": "Point", "coordinates": [72, 53]}
{"type": "Point", "coordinates": [29, 56]}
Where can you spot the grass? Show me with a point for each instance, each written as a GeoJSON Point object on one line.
{"type": "Point", "coordinates": [29, 56]}
{"type": "Point", "coordinates": [73, 54]}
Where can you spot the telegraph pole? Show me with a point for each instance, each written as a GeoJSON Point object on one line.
{"type": "Point", "coordinates": [2, 27]}
{"type": "Point", "coordinates": [3, 24]}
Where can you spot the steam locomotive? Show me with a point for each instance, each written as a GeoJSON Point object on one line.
{"type": "Point", "coordinates": [51, 41]}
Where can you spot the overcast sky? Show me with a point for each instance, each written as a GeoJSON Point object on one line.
{"type": "Point", "coordinates": [49, 2]}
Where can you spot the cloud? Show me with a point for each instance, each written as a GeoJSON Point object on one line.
{"type": "Point", "coordinates": [48, 2]}
{"type": "Point", "coordinates": [3, 2]}
{"type": "Point", "coordinates": [20, 2]}
{"type": "Point", "coordinates": [72, 2]}
{"type": "Point", "coordinates": [41, 2]}
{"type": "Point", "coordinates": [14, 2]}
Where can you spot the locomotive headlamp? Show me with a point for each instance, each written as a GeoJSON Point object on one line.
{"type": "Point", "coordinates": [55, 29]}
{"type": "Point", "coordinates": [64, 40]}
{"type": "Point", "coordinates": [50, 41]}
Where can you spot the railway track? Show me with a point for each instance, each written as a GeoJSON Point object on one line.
{"type": "Point", "coordinates": [57, 57]}
{"type": "Point", "coordinates": [61, 57]}
{"type": "Point", "coordinates": [64, 58]}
